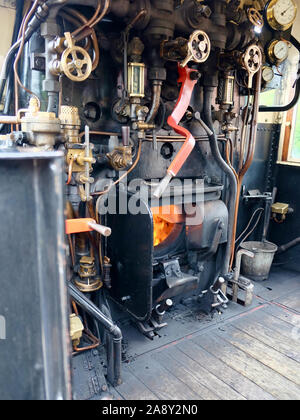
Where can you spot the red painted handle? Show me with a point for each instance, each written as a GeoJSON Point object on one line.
{"type": "Point", "coordinates": [180, 109]}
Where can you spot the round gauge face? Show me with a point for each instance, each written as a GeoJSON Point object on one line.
{"type": "Point", "coordinates": [285, 12]}
{"type": "Point", "coordinates": [281, 50]}
{"type": "Point", "coordinates": [267, 74]}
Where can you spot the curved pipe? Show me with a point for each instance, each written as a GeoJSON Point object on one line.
{"type": "Point", "coordinates": [213, 140]}
{"type": "Point", "coordinates": [108, 324]}
{"type": "Point", "coordinates": [249, 158]}
{"type": "Point", "coordinates": [156, 95]}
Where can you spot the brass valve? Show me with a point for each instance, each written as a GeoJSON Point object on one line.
{"type": "Point", "coordinates": [120, 158]}
{"type": "Point", "coordinates": [199, 48]}
{"type": "Point", "coordinates": [255, 17]}
{"type": "Point", "coordinates": [88, 281]}
{"type": "Point", "coordinates": [76, 155]}
{"type": "Point", "coordinates": [75, 62]}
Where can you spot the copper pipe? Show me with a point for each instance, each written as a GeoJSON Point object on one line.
{"type": "Point", "coordinates": [254, 124]}
{"type": "Point", "coordinates": [105, 10]}
{"type": "Point", "coordinates": [17, 78]}
{"type": "Point", "coordinates": [100, 133]}
{"type": "Point", "coordinates": [93, 35]}
{"type": "Point", "coordinates": [64, 14]}
{"type": "Point", "coordinates": [156, 95]}
{"type": "Point", "coordinates": [88, 23]}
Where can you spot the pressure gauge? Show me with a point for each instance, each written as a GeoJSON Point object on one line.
{"type": "Point", "coordinates": [267, 74]}
{"type": "Point", "coordinates": [278, 51]}
{"type": "Point", "coordinates": [281, 14]}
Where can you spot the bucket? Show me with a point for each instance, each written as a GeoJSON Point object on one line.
{"type": "Point", "coordinates": [258, 268]}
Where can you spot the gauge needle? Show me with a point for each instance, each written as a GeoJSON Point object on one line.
{"type": "Point", "coordinates": [283, 13]}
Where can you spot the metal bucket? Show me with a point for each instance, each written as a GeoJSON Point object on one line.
{"type": "Point", "coordinates": [258, 268]}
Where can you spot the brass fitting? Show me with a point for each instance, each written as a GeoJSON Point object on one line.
{"type": "Point", "coordinates": [76, 156]}
{"type": "Point", "coordinates": [42, 128]}
{"type": "Point", "coordinates": [88, 281]}
{"type": "Point", "coordinates": [143, 126]}
{"type": "Point", "coordinates": [120, 158]}
{"type": "Point", "coordinates": [70, 124]}
{"type": "Point", "coordinates": [280, 208]}
{"type": "Point", "coordinates": [76, 329]}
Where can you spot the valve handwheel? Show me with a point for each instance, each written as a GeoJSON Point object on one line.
{"type": "Point", "coordinates": [75, 61]}
{"type": "Point", "coordinates": [252, 62]}
{"type": "Point", "coordinates": [199, 48]}
{"type": "Point", "coordinates": [255, 17]}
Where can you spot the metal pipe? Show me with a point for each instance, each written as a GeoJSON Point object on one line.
{"type": "Point", "coordinates": [250, 156]}
{"type": "Point", "coordinates": [107, 323]}
{"type": "Point", "coordinates": [6, 119]}
{"type": "Point", "coordinates": [157, 85]}
{"type": "Point", "coordinates": [289, 245]}
{"type": "Point", "coordinates": [213, 140]}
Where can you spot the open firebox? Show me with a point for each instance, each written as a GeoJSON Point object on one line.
{"type": "Point", "coordinates": [164, 252]}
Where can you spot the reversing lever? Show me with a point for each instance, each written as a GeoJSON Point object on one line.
{"type": "Point", "coordinates": [188, 78]}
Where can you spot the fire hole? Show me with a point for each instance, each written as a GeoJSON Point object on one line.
{"type": "Point", "coordinates": [164, 220]}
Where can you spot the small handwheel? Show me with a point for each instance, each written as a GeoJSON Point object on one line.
{"type": "Point", "coordinates": [255, 17]}
{"type": "Point", "coordinates": [252, 61]}
{"type": "Point", "coordinates": [76, 64]}
{"type": "Point", "coordinates": [199, 48]}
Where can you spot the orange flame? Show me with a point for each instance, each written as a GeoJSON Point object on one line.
{"type": "Point", "coordinates": [161, 229]}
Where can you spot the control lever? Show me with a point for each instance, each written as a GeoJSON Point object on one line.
{"type": "Point", "coordinates": [219, 297]}
{"type": "Point", "coordinates": [86, 225]}
{"type": "Point", "coordinates": [189, 79]}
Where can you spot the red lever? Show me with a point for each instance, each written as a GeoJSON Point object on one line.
{"type": "Point", "coordinates": [181, 107]}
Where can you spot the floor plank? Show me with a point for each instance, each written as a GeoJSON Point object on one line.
{"type": "Point", "coordinates": [133, 389]}
{"type": "Point", "coordinates": [291, 300]}
{"type": "Point", "coordinates": [266, 378]}
{"type": "Point", "coordinates": [278, 362]}
{"type": "Point", "coordinates": [186, 376]}
{"type": "Point", "coordinates": [238, 382]}
{"type": "Point", "coordinates": [281, 319]}
{"type": "Point", "coordinates": [161, 382]}
{"type": "Point", "coordinates": [270, 337]}
{"type": "Point", "coordinates": [216, 385]}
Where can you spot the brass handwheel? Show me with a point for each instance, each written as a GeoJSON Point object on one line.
{"type": "Point", "coordinates": [75, 62]}
{"type": "Point", "coordinates": [255, 17]}
{"type": "Point", "coordinates": [199, 48]}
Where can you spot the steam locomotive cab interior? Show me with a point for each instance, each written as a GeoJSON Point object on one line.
{"type": "Point", "coordinates": [135, 148]}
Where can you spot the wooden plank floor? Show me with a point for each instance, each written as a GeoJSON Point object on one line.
{"type": "Point", "coordinates": [255, 355]}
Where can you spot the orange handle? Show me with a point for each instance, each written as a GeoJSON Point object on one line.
{"type": "Point", "coordinates": [78, 225]}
